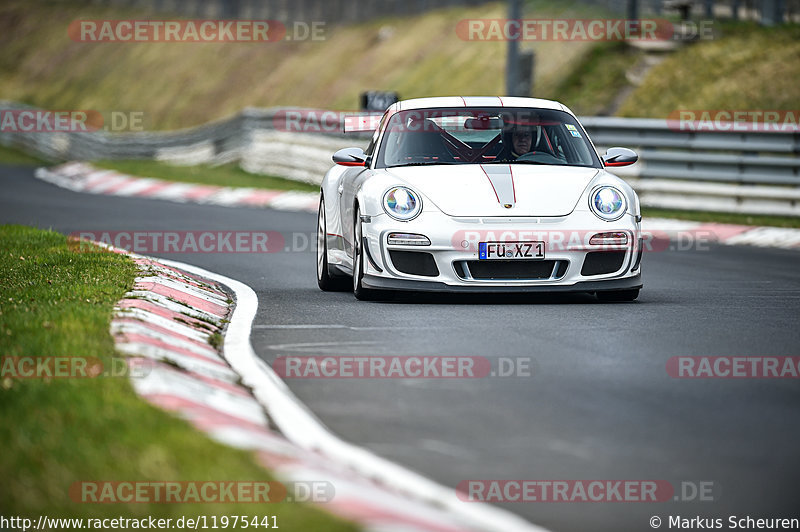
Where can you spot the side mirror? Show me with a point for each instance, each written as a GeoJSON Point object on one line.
{"type": "Point", "coordinates": [619, 157]}
{"type": "Point", "coordinates": [350, 157]}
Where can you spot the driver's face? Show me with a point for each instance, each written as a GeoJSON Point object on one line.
{"type": "Point", "coordinates": [522, 141]}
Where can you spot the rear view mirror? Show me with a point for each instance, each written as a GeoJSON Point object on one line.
{"type": "Point", "coordinates": [483, 123]}
{"type": "Point", "coordinates": [619, 157]}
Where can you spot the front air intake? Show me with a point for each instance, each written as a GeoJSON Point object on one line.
{"type": "Point", "coordinates": [512, 270]}
{"type": "Point", "coordinates": [601, 262]}
{"type": "Point", "coordinates": [414, 263]}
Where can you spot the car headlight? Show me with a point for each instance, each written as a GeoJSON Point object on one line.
{"type": "Point", "coordinates": [608, 203]}
{"type": "Point", "coordinates": [402, 203]}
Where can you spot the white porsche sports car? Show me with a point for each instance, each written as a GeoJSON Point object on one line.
{"type": "Point", "coordinates": [479, 194]}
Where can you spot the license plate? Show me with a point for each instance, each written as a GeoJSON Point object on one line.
{"type": "Point", "coordinates": [510, 250]}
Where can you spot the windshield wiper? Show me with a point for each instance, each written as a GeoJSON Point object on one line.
{"type": "Point", "coordinates": [421, 164]}
{"type": "Point", "coordinates": [516, 162]}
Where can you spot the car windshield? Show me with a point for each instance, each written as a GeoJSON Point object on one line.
{"type": "Point", "coordinates": [490, 135]}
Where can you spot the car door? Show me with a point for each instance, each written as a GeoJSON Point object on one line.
{"type": "Point", "coordinates": [348, 188]}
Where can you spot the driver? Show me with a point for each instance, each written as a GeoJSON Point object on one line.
{"type": "Point", "coordinates": [519, 140]}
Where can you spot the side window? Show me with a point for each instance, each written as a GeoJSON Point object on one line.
{"type": "Point", "coordinates": [558, 144]}
{"type": "Point", "coordinates": [552, 141]}
{"type": "Point", "coordinates": [374, 141]}
{"type": "Point", "coordinates": [576, 145]}
{"type": "Point", "coordinates": [371, 148]}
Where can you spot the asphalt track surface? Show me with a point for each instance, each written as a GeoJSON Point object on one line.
{"type": "Point", "coordinates": [599, 403]}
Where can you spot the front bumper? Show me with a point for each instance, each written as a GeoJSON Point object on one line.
{"type": "Point", "coordinates": [454, 247]}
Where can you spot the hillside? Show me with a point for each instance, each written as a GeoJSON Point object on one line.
{"type": "Point", "coordinates": [746, 67]}
{"type": "Point", "coordinates": [184, 84]}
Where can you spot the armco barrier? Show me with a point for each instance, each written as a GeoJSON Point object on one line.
{"type": "Point", "coordinates": [732, 171]}
{"type": "Point", "coordinates": [758, 157]}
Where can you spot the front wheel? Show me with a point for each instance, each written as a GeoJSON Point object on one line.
{"type": "Point", "coordinates": [618, 295]}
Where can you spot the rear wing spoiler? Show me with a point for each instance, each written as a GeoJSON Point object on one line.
{"type": "Point", "coordinates": [362, 122]}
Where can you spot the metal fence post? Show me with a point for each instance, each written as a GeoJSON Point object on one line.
{"type": "Point", "coordinates": [768, 12]}
{"type": "Point", "coordinates": [527, 67]}
{"type": "Point", "coordinates": [512, 59]}
{"type": "Point", "coordinates": [633, 9]}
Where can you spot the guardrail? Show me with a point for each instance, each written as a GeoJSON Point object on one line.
{"type": "Point", "coordinates": [728, 170]}
{"type": "Point", "coordinates": [731, 171]}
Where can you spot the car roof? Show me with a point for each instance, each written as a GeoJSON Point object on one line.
{"type": "Point", "coordinates": [478, 101]}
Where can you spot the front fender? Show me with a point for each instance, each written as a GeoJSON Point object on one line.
{"type": "Point", "coordinates": [370, 193]}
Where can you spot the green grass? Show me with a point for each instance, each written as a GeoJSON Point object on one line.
{"type": "Point", "coordinates": [747, 67]}
{"type": "Point", "coordinates": [17, 157]}
{"type": "Point", "coordinates": [592, 87]}
{"type": "Point", "coordinates": [228, 175]}
{"type": "Point", "coordinates": [56, 302]}
{"type": "Point", "coordinates": [721, 217]}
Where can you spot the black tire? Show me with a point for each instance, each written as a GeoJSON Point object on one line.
{"type": "Point", "coordinates": [618, 295]}
{"type": "Point", "coordinates": [359, 257]}
{"type": "Point", "coordinates": [325, 280]}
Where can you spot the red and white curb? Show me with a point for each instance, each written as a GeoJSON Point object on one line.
{"type": "Point", "coordinates": [169, 324]}
{"type": "Point", "coordinates": [729, 234]}
{"type": "Point", "coordinates": [83, 177]}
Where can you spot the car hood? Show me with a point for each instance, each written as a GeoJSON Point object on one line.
{"type": "Point", "coordinates": [499, 189]}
